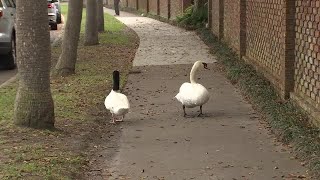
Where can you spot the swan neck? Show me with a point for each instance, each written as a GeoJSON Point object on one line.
{"type": "Point", "coordinates": [116, 81]}
{"type": "Point", "coordinates": [193, 74]}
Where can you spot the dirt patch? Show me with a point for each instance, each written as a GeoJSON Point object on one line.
{"type": "Point", "coordinates": [82, 129]}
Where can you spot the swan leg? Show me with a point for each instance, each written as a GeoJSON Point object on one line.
{"type": "Point", "coordinates": [184, 111]}
{"type": "Point", "coordinates": [200, 111]}
{"type": "Point", "coordinates": [112, 119]}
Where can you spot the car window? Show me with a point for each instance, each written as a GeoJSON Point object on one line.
{"type": "Point", "coordinates": [8, 3]}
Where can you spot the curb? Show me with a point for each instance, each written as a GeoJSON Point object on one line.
{"type": "Point", "coordinates": [12, 79]}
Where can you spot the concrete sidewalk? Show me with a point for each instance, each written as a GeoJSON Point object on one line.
{"type": "Point", "coordinates": [157, 142]}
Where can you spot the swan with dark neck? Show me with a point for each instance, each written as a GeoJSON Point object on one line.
{"type": "Point", "coordinates": [116, 102]}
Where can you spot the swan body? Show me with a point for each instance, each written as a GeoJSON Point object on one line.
{"type": "Point", "coordinates": [116, 102]}
{"type": "Point", "coordinates": [193, 94]}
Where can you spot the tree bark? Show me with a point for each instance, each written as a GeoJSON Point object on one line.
{"type": "Point", "coordinates": [33, 105]}
{"type": "Point", "coordinates": [68, 58]}
{"type": "Point", "coordinates": [84, 3]}
{"type": "Point", "coordinates": [100, 16]}
{"type": "Point", "coordinates": [91, 32]}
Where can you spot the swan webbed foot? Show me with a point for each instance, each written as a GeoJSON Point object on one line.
{"type": "Point", "coordinates": [120, 120]}
{"type": "Point", "coordinates": [184, 111]}
{"type": "Point", "coordinates": [200, 114]}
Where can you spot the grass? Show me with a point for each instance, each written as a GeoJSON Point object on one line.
{"type": "Point", "coordinates": [287, 121]}
{"type": "Point", "coordinates": [64, 10]}
{"type": "Point", "coordinates": [112, 28]}
{"type": "Point", "coordinates": [63, 153]}
{"type": "Point", "coordinates": [7, 96]}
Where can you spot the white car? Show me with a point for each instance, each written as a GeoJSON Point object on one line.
{"type": "Point", "coordinates": [57, 3]}
{"type": "Point", "coordinates": [7, 33]}
{"type": "Point", "coordinates": [52, 14]}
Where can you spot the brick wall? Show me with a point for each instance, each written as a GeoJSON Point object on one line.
{"type": "Point", "coordinates": [185, 4]}
{"type": "Point", "coordinates": [265, 40]}
{"type": "Point", "coordinates": [215, 12]}
{"type": "Point", "coordinates": [132, 4]}
{"type": "Point", "coordinates": [175, 8]}
{"type": "Point", "coordinates": [281, 39]}
{"type": "Point", "coordinates": [123, 3]}
{"type": "Point", "coordinates": [153, 7]}
{"type": "Point", "coordinates": [232, 23]}
{"type": "Point", "coordinates": [307, 51]}
{"type": "Point", "coordinates": [164, 8]}
{"type": "Point", "coordinates": [142, 5]}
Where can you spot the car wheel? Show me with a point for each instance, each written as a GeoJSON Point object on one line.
{"type": "Point", "coordinates": [11, 58]}
{"type": "Point", "coordinates": [59, 19]}
{"type": "Point", "coordinates": [54, 26]}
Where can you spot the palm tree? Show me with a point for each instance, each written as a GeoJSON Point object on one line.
{"type": "Point", "coordinates": [67, 61]}
{"type": "Point", "coordinates": [91, 33]}
{"type": "Point", "coordinates": [34, 105]}
{"type": "Point", "coordinates": [100, 16]}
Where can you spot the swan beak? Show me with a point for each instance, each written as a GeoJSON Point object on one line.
{"type": "Point", "coordinates": [205, 65]}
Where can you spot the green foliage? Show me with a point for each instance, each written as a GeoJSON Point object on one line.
{"type": "Point", "coordinates": [194, 18]}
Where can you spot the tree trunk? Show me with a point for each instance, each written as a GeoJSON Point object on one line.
{"type": "Point", "coordinates": [33, 105]}
{"type": "Point", "coordinates": [100, 16]}
{"type": "Point", "coordinates": [84, 3]}
{"type": "Point", "coordinates": [67, 60]}
{"type": "Point", "coordinates": [91, 34]}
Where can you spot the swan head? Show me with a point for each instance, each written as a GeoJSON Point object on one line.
{"type": "Point", "coordinates": [195, 67]}
{"type": "Point", "coordinates": [198, 64]}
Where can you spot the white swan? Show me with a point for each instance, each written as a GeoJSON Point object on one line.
{"type": "Point", "coordinates": [116, 102]}
{"type": "Point", "coordinates": [193, 94]}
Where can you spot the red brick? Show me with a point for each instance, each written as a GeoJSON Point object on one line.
{"type": "Point", "coordinates": [142, 5]}
{"type": "Point", "coordinates": [153, 6]}
{"type": "Point", "coordinates": [232, 23]}
{"type": "Point", "coordinates": [175, 8]}
{"type": "Point", "coordinates": [164, 8]}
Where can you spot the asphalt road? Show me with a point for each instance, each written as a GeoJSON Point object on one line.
{"type": "Point", "coordinates": [5, 75]}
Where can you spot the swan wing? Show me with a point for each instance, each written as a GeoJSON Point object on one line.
{"type": "Point", "coordinates": [191, 94]}
{"type": "Point", "coordinates": [116, 101]}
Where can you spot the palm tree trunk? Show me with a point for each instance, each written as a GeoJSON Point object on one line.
{"type": "Point", "coordinates": [91, 33]}
{"type": "Point", "coordinates": [100, 16]}
{"type": "Point", "coordinates": [67, 61]}
{"type": "Point", "coordinates": [34, 105]}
